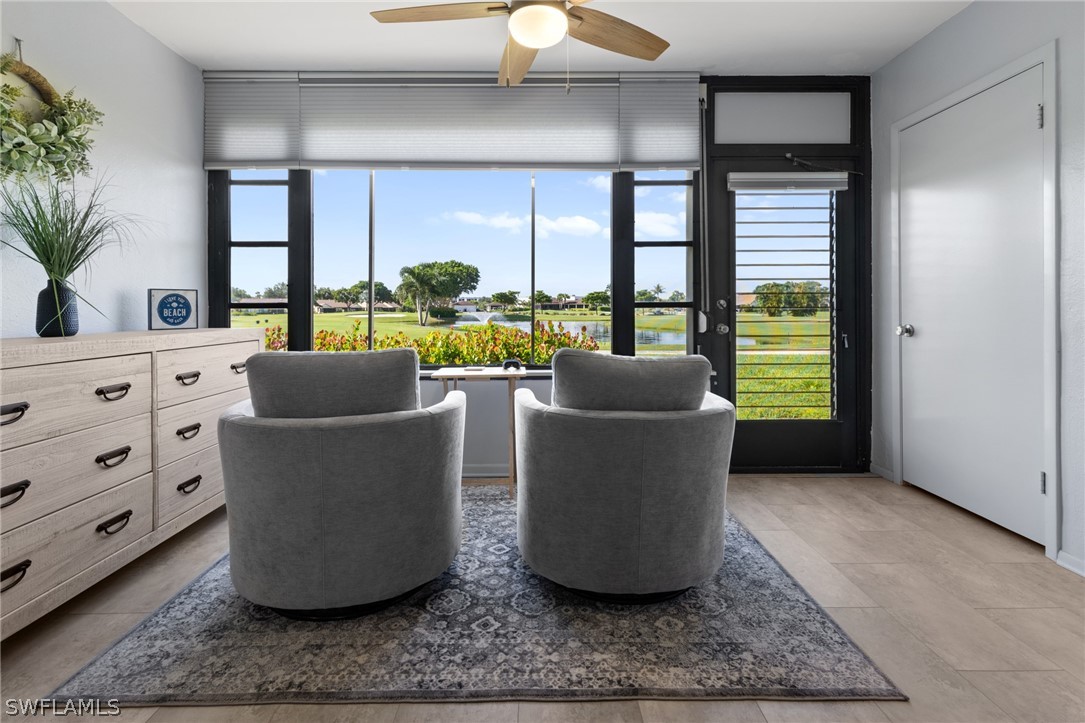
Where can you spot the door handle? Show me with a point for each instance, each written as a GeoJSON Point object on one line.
{"type": "Point", "coordinates": [723, 329]}
{"type": "Point", "coordinates": [905, 330]}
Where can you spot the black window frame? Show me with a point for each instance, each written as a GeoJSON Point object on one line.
{"type": "Point", "coordinates": [299, 245]}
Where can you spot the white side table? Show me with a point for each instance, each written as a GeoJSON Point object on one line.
{"type": "Point", "coordinates": [467, 374]}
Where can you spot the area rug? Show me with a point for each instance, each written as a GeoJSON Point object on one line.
{"type": "Point", "coordinates": [490, 629]}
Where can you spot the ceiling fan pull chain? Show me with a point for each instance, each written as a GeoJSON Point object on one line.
{"type": "Point", "coordinates": [568, 74]}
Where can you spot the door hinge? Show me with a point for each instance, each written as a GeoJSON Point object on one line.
{"type": "Point", "coordinates": [1040, 116]}
{"type": "Point", "coordinates": [703, 102]}
{"type": "Point", "coordinates": [1043, 483]}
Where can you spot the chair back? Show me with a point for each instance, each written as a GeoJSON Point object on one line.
{"type": "Point", "coordinates": [333, 384]}
{"type": "Point", "coordinates": [604, 382]}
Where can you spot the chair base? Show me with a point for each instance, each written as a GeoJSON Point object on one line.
{"type": "Point", "coordinates": [345, 613]}
{"type": "Point", "coordinates": [629, 598]}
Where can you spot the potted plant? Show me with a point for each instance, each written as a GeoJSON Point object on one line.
{"type": "Point", "coordinates": [62, 232]}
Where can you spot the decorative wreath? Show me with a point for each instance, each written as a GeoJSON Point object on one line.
{"type": "Point", "coordinates": [56, 145]}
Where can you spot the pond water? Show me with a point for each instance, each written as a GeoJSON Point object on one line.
{"type": "Point", "coordinates": [598, 329]}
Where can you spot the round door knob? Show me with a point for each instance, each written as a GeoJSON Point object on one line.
{"type": "Point", "coordinates": [906, 330]}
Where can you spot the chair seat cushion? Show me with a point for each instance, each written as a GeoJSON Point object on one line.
{"type": "Point", "coordinates": [333, 384]}
{"type": "Point", "coordinates": [588, 380]}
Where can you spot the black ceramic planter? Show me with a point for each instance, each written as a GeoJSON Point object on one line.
{"type": "Point", "coordinates": [57, 313]}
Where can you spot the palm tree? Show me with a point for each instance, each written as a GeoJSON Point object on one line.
{"type": "Point", "coordinates": [417, 286]}
{"type": "Point", "coordinates": [657, 291]}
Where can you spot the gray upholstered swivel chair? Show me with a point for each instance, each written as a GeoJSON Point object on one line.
{"type": "Point", "coordinates": [623, 479]}
{"type": "Point", "coordinates": [343, 494]}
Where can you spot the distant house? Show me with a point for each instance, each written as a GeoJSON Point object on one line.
{"type": "Point", "coordinates": [324, 306]}
{"type": "Point", "coordinates": [573, 302]}
{"type": "Point", "coordinates": [466, 305]}
{"type": "Point", "coordinates": [381, 306]}
{"type": "Point", "coordinates": [262, 310]}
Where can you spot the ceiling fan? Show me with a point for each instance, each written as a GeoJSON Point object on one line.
{"type": "Point", "coordinates": [537, 24]}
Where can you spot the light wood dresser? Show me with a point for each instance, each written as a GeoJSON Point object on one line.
{"type": "Point", "coordinates": [108, 446]}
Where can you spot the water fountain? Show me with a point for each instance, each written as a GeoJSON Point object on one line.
{"type": "Point", "coordinates": [483, 317]}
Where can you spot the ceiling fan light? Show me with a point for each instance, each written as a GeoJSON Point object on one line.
{"type": "Point", "coordinates": [538, 26]}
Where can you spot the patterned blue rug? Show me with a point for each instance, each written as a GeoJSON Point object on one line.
{"type": "Point", "coordinates": [490, 629]}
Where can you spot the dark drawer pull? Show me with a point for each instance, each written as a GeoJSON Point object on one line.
{"type": "Point", "coordinates": [16, 408]}
{"type": "Point", "coordinates": [190, 431]}
{"type": "Point", "coordinates": [190, 486]}
{"type": "Point", "coordinates": [18, 487]}
{"type": "Point", "coordinates": [238, 367]}
{"type": "Point", "coordinates": [105, 457]}
{"type": "Point", "coordinates": [16, 571]}
{"type": "Point", "coordinates": [185, 378]}
{"type": "Point", "coordinates": [119, 390]}
{"type": "Point", "coordinates": [122, 518]}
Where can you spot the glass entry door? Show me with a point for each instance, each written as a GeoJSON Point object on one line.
{"type": "Point", "coordinates": [782, 292]}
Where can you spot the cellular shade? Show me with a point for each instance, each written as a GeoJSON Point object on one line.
{"type": "Point", "coordinates": [334, 120]}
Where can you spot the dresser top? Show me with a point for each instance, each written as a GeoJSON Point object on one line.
{"type": "Point", "coordinates": [27, 351]}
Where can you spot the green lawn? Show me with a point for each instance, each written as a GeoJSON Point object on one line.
{"type": "Point", "coordinates": [785, 331]}
{"type": "Point", "coordinates": [783, 386]}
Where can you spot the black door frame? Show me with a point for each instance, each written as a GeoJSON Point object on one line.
{"type": "Point", "coordinates": [807, 446]}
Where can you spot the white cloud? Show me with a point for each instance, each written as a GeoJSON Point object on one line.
{"type": "Point", "coordinates": [655, 225]}
{"type": "Point", "coordinates": [599, 183]}
{"type": "Point", "coordinates": [566, 226]}
{"type": "Point", "coordinates": [677, 196]}
{"type": "Point", "coordinates": [642, 191]}
{"type": "Point", "coordinates": [501, 220]}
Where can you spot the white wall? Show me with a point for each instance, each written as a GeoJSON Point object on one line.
{"type": "Point", "coordinates": [149, 149]}
{"type": "Point", "coordinates": [978, 41]}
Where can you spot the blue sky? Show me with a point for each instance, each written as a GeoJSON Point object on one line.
{"type": "Point", "coordinates": [478, 217]}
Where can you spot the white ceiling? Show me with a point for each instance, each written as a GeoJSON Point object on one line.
{"type": "Point", "coordinates": [716, 38]}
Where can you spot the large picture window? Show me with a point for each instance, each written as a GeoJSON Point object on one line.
{"type": "Point", "coordinates": [466, 266]}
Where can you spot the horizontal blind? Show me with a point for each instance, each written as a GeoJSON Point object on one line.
{"type": "Point", "coordinates": [339, 120]}
{"type": "Point", "coordinates": [660, 123]}
{"type": "Point", "coordinates": [251, 122]}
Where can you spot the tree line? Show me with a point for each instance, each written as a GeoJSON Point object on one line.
{"type": "Point", "coordinates": [797, 298]}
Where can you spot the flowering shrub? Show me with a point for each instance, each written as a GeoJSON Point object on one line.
{"type": "Point", "coordinates": [486, 344]}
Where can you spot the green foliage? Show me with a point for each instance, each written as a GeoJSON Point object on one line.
{"type": "Point", "coordinates": [380, 292]}
{"type": "Point", "coordinates": [541, 297]}
{"type": "Point", "coordinates": [506, 298]}
{"type": "Point", "coordinates": [443, 312]}
{"type": "Point", "coordinates": [597, 299]}
{"type": "Point", "coordinates": [434, 282]}
{"type": "Point", "coordinates": [799, 298]}
{"type": "Point", "coordinates": [237, 294]}
{"type": "Point", "coordinates": [485, 344]}
{"type": "Point", "coordinates": [56, 147]}
{"type": "Point", "coordinates": [645, 295]}
{"type": "Point", "coordinates": [792, 386]}
{"type": "Point", "coordinates": [677, 295]}
{"type": "Point", "coordinates": [276, 291]}
{"type": "Point", "coordinates": [59, 230]}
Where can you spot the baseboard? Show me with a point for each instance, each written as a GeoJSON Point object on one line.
{"type": "Point", "coordinates": [882, 471]}
{"type": "Point", "coordinates": [1071, 563]}
{"type": "Point", "coordinates": [486, 470]}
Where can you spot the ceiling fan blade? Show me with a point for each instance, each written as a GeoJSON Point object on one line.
{"type": "Point", "coordinates": [515, 62]}
{"type": "Point", "coordinates": [611, 33]}
{"type": "Point", "coordinates": [452, 11]}
{"type": "Point", "coordinates": [578, 2]}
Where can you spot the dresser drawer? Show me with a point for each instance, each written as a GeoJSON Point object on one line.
{"type": "Point", "coordinates": [188, 374]}
{"type": "Point", "coordinates": [39, 556]}
{"type": "Point", "coordinates": [188, 482]}
{"type": "Point", "coordinates": [44, 477]}
{"type": "Point", "coordinates": [185, 429]}
{"type": "Point", "coordinates": [47, 401]}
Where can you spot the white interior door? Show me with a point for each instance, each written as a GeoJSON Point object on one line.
{"type": "Point", "coordinates": [971, 266]}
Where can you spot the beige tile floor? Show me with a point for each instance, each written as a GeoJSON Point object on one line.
{"type": "Point", "coordinates": [971, 621]}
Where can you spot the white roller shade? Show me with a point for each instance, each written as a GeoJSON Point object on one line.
{"type": "Point", "coordinates": [349, 120]}
{"type": "Point", "coordinates": [251, 122]}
